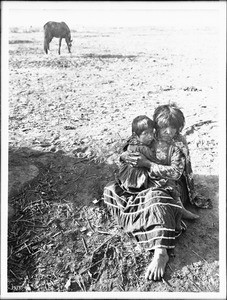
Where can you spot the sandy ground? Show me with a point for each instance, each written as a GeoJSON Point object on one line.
{"type": "Point", "coordinates": [68, 117]}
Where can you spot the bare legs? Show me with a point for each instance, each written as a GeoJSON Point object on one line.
{"type": "Point", "coordinates": [156, 268]}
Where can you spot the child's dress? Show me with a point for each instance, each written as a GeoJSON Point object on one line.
{"type": "Point", "coordinates": [132, 178]}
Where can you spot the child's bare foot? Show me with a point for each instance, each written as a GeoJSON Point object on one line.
{"type": "Point", "coordinates": [157, 266]}
{"type": "Point", "coordinates": [186, 214]}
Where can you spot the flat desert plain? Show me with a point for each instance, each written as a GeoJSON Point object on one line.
{"type": "Point", "coordinates": [69, 116]}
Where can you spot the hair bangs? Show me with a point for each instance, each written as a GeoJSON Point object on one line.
{"type": "Point", "coordinates": [169, 116]}
{"type": "Point", "coordinates": [141, 123]}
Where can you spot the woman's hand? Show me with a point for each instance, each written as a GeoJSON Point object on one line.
{"type": "Point", "coordinates": [135, 159]}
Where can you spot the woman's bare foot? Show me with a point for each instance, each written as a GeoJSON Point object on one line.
{"type": "Point", "coordinates": [156, 268]}
{"type": "Point", "coordinates": [186, 214]}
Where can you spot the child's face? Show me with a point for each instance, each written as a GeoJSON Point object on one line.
{"type": "Point", "coordinates": [146, 136]}
{"type": "Point", "coordinates": [166, 133]}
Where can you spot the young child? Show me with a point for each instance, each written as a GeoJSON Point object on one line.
{"type": "Point", "coordinates": [134, 179]}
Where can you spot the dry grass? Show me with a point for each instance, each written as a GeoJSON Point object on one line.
{"type": "Point", "coordinates": [54, 247]}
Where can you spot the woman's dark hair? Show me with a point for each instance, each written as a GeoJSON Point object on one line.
{"type": "Point", "coordinates": [169, 116]}
{"type": "Point", "coordinates": [141, 123]}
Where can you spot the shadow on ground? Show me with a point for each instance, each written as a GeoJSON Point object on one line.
{"type": "Point", "coordinates": [61, 238]}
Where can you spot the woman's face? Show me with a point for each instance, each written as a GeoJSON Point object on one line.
{"type": "Point", "coordinates": [166, 133]}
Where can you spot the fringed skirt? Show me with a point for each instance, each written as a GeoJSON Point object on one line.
{"type": "Point", "coordinates": [152, 215]}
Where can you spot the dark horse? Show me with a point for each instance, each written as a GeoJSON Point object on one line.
{"type": "Point", "coordinates": [58, 30]}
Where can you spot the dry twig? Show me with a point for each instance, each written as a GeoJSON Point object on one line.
{"type": "Point", "coordinates": [104, 243]}
{"type": "Point", "coordinates": [87, 269]}
{"type": "Point", "coordinates": [85, 245]}
{"type": "Point", "coordinates": [103, 232]}
{"type": "Point", "coordinates": [89, 224]}
{"type": "Point", "coordinates": [199, 256]}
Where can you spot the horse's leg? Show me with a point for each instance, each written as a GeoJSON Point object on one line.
{"type": "Point", "coordinates": [46, 44]}
{"type": "Point", "coordinates": [67, 42]}
{"type": "Point", "coordinates": [59, 45]}
{"type": "Point", "coordinates": [47, 41]}
{"type": "Point", "coordinates": [50, 39]}
{"type": "Point", "coordinates": [45, 47]}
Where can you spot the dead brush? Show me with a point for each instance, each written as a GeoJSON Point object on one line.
{"type": "Point", "coordinates": [58, 247]}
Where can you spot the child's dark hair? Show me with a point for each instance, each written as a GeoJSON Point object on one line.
{"type": "Point", "coordinates": [169, 116]}
{"type": "Point", "coordinates": [141, 123]}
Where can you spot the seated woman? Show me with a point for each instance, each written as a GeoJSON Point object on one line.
{"type": "Point", "coordinates": [152, 215]}
{"type": "Point", "coordinates": [134, 179]}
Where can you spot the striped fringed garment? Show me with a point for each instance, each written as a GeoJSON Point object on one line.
{"type": "Point", "coordinates": [152, 215]}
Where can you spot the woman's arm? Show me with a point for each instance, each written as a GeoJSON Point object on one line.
{"type": "Point", "coordinates": [133, 157]}
{"type": "Point", "coordinates": [172, 171]}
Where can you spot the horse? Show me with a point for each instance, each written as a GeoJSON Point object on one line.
{"type": "Point", "coordinates": [59, 30]}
